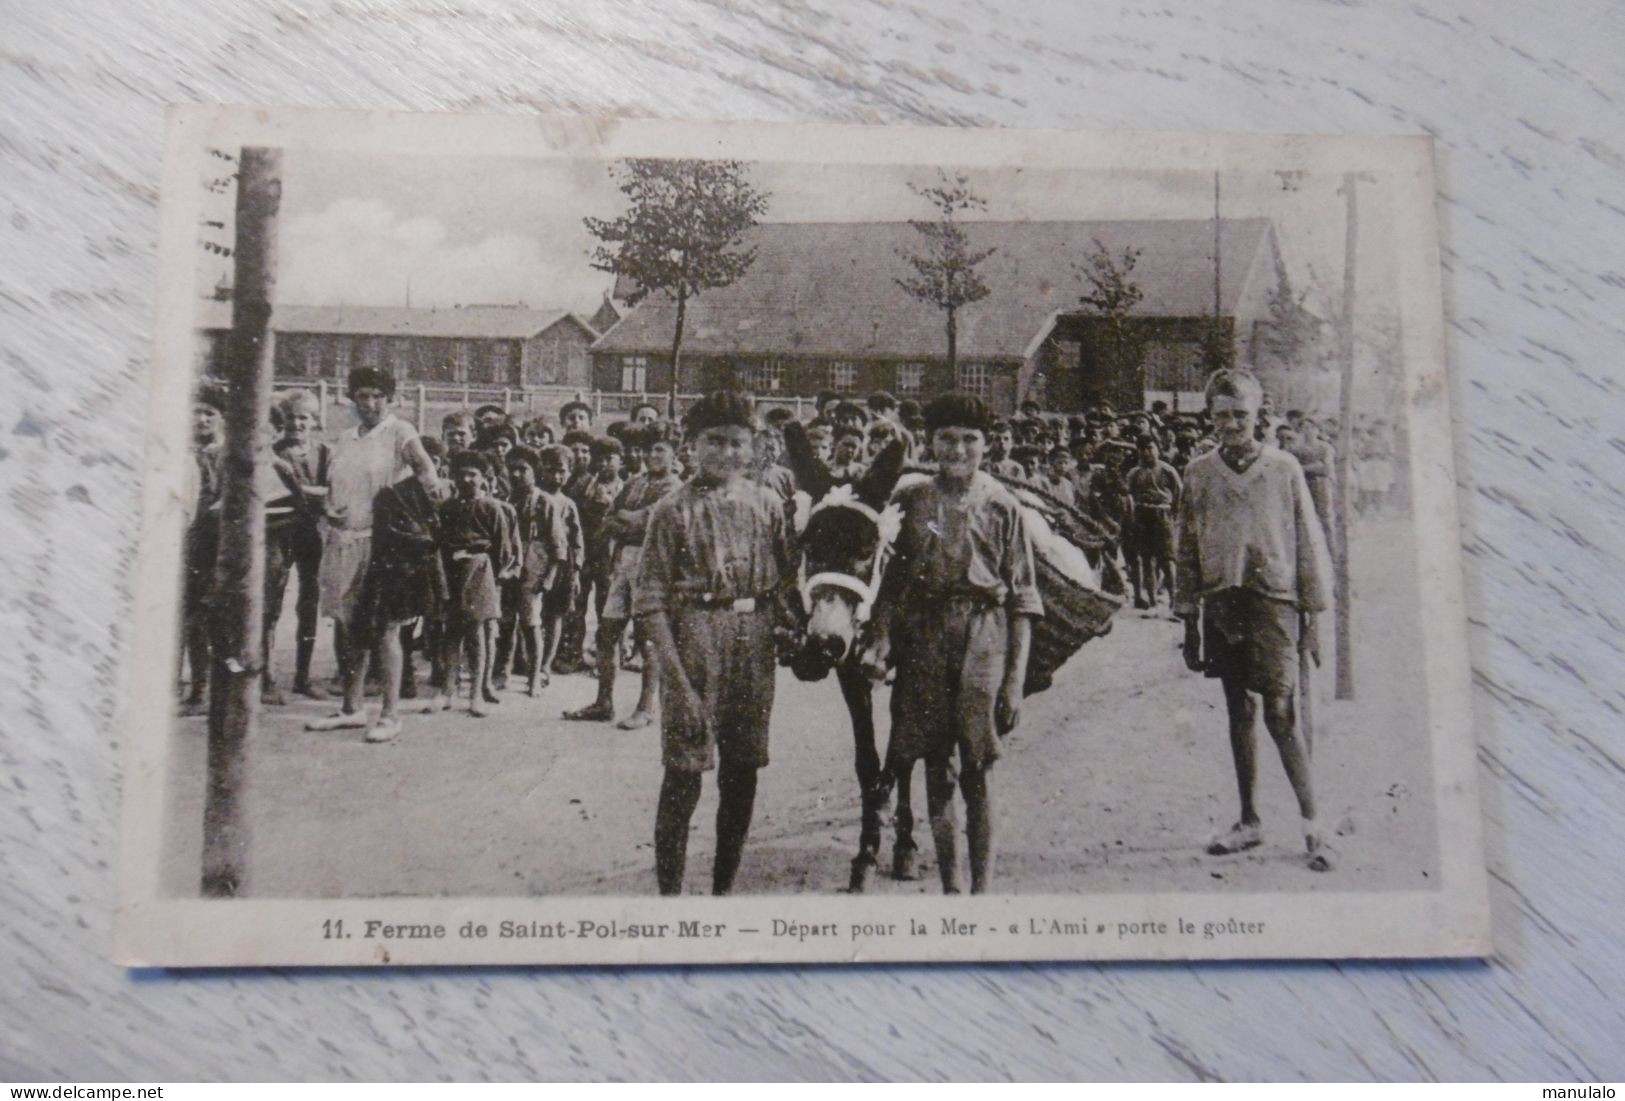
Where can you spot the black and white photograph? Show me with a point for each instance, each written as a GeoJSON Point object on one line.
{"type": "Point", "coordinates": [583, 540]}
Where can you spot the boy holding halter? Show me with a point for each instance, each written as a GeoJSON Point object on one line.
{"type": "Point", "coordinates": [1253, 572]}
{"type": "Point", "coordinates": [716, 562]}
{"type": "Point", "coordinates": [962, 589]}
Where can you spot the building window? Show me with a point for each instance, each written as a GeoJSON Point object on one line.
{"type": "Point", "coordinates": [634, 374]}
{"type": "Point", "coordinates": [312, 359]}
{"type": "Point", "coordinates": [910, 378]}
{"type": "Point", "coordinates": [372, 352]}
{"type": "Point", "coordinates": [768, 376]}
{"type": "Point", "coordinates": [400, 357]}
{"type": "Point", "coordinates": [842, 376]}
{"type": "Point", "coordinates": [498, 363]}
{"type": "Point", "coordinates": [462, 360]}
{"type": "Point", "coordinates": [342, 356]}
{"type": "Point", "coordinates": [973, 378]}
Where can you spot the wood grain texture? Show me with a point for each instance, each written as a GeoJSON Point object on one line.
{"type": "Point", "coordinates": [1532, 169]}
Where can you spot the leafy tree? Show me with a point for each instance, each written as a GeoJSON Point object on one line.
{"type": "Point", "coordinates": [219, 185]}
{"type": "Point", "coordinates": [1111, 294]}
{"type": "Point", "coordinates": [945, 266]}
{"type": "Point", "coordinates": [1293, 330]}
{"type": "Point", "coordinates": [682, 232]}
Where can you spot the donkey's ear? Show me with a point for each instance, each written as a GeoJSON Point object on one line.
{"type": "Point", "coordinates": [812, 476]}
{"type": "Point", "coordinates": [874, 488]}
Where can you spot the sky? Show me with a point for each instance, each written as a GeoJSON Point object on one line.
{"type": "Point", "coordinates": [363, 229]}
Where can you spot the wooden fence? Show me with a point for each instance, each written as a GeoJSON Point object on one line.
{"type": "Point", "coordinates": [426, 403]}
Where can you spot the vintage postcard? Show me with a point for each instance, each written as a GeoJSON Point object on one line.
{"type": "Point", "coordinates": [602, 541]}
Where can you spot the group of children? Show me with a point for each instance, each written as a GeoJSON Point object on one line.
{"type": "Point", "coordinates": [496, 543]}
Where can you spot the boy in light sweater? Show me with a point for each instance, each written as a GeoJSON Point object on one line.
{"type": "Point", "coordinates": [1252, 574]}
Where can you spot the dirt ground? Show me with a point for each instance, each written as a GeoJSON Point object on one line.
{"type": "Point", "coordinates": [1113, 782]}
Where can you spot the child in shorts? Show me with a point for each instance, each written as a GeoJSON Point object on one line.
{"type": "Point", "coordinates": [717, 564]}
{"type": "Point", "coordinates": [519, 634]}
{"type": "Point", "coordinates": [962, 591]}
{"type": "Point", "coordinates": [625, 527]}
{"type": "Point", "coordinates": [1253, 573]}
{"type": "Point", "coordinates": [480, 538]}
{"type": "Point", "coordinates": [555, 551]}
{"type": "Point", "coordinates": [293, 535]}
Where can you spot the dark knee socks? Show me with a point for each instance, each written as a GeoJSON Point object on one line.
{"type": "Point", "coordinates": [679, 795]}
{"type": "Point", "coordinates": [939, 803]}
{"type": "Point", "coordinates": [736, 791]}
{"type": "Point", "coordinates": [978, 827]}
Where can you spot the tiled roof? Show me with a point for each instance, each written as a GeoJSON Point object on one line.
{"type": "Point", "coordinates": [828, 289]}
{"type": "Point", "coordinates": [466, 322]}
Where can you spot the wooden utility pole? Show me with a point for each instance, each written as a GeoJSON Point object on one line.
{"type": "Point", "coordinates": [1218, 297]}
{"type": "Point", "coordinates": [1345, 439]}
{"type": "Point", "coordinates": [238, 607]}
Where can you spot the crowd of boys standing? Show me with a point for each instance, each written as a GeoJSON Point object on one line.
{"type": "Point", "coordinates": [490, 548]}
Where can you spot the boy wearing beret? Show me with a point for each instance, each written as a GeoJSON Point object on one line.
{"type": "Point", "coordinates": [716, 562]}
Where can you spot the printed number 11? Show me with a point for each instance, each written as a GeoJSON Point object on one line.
{"type": "Point", "coordinates": [333, 929]}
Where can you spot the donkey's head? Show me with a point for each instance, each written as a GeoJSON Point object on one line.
{"type": "Point", "coordinates": [840, 549]}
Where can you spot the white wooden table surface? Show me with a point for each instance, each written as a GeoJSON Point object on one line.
{"type": "Point", "coordinates": [1526, 103]}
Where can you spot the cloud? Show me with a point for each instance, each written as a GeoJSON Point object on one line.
{"type": "Point", "coordinates": [361, 252]}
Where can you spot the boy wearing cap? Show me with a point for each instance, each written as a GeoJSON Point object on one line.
{"type": "Point", "coordinates": [849, 414]}
{"type": "Point", "coordinates": [554, 552]}
{"type": "Point", "coordinates": [962, 589]}
{"type": "Point", "coordinates": [597, 499]}
{"type": "Point", "coordinates": [575, 416]}
{"type": "Point", "coordinates": [644, 414]}
{"type": "Point", "coordinates": [1253, 573]}
{"type": "Point", "coordinates": [202, 540]}
{"type": "Point", "coordinates": [1062, 472]}
{"type": "Point", "coordinates": [519, 632]}
{"type": "Point", "coordinates": [488, 418]}
{"type": "Point", "coordinates": [293, 533]}
{"type": "Point", "coordinates": [716, 562]}
{"type": "Point", "coordinates": [580, 444]}
{"type": "Point", "coordinates": [457, 431]}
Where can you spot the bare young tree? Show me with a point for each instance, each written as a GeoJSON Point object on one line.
{"type": "Point", "coordinates": [682, 232]}
{"type": "Point", "coordinates": [945, 266]}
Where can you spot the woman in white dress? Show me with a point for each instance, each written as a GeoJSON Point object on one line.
{"type": "Point", "coordinates": [380, 450]}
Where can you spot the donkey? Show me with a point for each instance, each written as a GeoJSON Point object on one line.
{"type": "Point", "coordinates": [845, 546]}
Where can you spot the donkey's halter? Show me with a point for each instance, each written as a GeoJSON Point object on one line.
{"type": "Point", "coordinates": [887, 523]}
